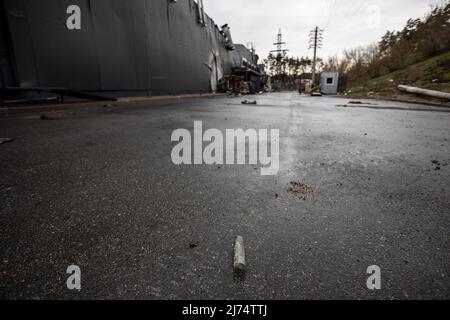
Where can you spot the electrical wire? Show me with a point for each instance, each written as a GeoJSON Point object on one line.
{"type": "Point", "coordinates": [319, 11]}
{"type": "Point", "coordinates": [330, 14]}
{"type": "Point", "coordinates": [350, 19]}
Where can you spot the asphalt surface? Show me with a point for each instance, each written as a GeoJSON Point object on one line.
{"type": "Point", "coordinates": [96, 188]}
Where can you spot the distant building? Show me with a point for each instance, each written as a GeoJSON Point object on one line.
{"type": "Point", "coordinates": [329, 82]}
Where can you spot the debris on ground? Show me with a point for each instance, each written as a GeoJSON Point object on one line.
{"type": "Point", "coordinates": [234, 85]}
{"type": "Point", "coordinates": [110, 105]}
{"type": "Point", "coordinates": [239, 256]}
{"type": "Point", "coordinates": [8, 188]}
{"type": "Point", "coordinates": [194, 244]}
{"type": "Point", "coordinates": [438, 164]}
{"type": "Point", "coordinates": [359, 102]}
{"type": "Point", "coordinates": [49, 117]}
{"type": "Point", "coordinates": [5, 140]}
{"type": "Point", "coordinates": [249, 102]}
{"type": "Point", "coordinates": [300, 190]}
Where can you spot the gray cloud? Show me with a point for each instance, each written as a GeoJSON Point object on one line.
{"type": "Point", "coordinates": [349, 23]}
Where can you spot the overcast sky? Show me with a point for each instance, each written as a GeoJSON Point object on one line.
{"type": "Point", "coordinates": [347, 23]}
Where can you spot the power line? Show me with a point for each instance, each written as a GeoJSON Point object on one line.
{"type": "Point", "coordinates": [358, 9]}
{"type": "Point", "coordinates": [281, 53]}
{"type": "Point", "coordinates": [361, 5]}
{"type": "Point", "coordinates": [350, 10]}
{"type": "Point", "coordinates": [349, 13]}
{"type": "Point", "coordinates": [319, 11]}
{"type": "Point", "coordinates": [330, 14]}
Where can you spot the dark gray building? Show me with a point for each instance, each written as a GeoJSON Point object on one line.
{"type": "Point", "coordinates": [118, 47]}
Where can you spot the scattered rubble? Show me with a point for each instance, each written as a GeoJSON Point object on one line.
{"type": "Point", "coordinates": [48, 117]}
{"type": "Point", "coordinates": [110, 105]}
{"type": "Point", "coordinates": [8, 188]}
{"type": "Point", "coordinates": [234, 85]}
{"type": "Point", "coordinates": [359, 102]}
{"type": "Point", "coordinates": [300, 190]}
{"type": "Point", "coordinates": [5, 140]}
{"type": "Point", "coordinates": [194, 244]}
{"type": "Point", "coordinates": [438, 164]}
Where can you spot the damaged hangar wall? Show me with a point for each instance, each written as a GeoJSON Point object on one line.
{"type": "Point", "coordinates": [140, 46]}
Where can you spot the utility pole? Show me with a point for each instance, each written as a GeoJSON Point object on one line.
{"type": "Point", "coordinates": [281, 53]}
{"type": "Point", "coordinates": [251, 47]}
{"type": "Point", "coordinates": [315, 42]}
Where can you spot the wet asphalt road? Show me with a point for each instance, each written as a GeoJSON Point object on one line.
{"type": "Point", "coordinates": [97, 189]}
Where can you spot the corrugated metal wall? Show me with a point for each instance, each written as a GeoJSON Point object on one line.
{"type": "Point", "coordinates": [149, 46]}
{"type": "Point", "coordinates": [7, 77]}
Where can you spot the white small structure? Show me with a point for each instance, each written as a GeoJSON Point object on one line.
{"type": "Point", "coordinates": [329, 82]}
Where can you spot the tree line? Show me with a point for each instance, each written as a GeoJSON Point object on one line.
{"type": "Point", "coordinates": [418, 40]}
{"type": "Point", "coordinates": [277, 65]}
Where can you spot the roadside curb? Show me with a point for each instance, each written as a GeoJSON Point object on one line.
{"type": "Point", "coordinates": [123, 101]}
{"type": "Point", "coordinates": [426, 103]}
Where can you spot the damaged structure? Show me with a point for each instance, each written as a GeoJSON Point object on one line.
{"type": "Point", "coordinates": [86, 48]}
